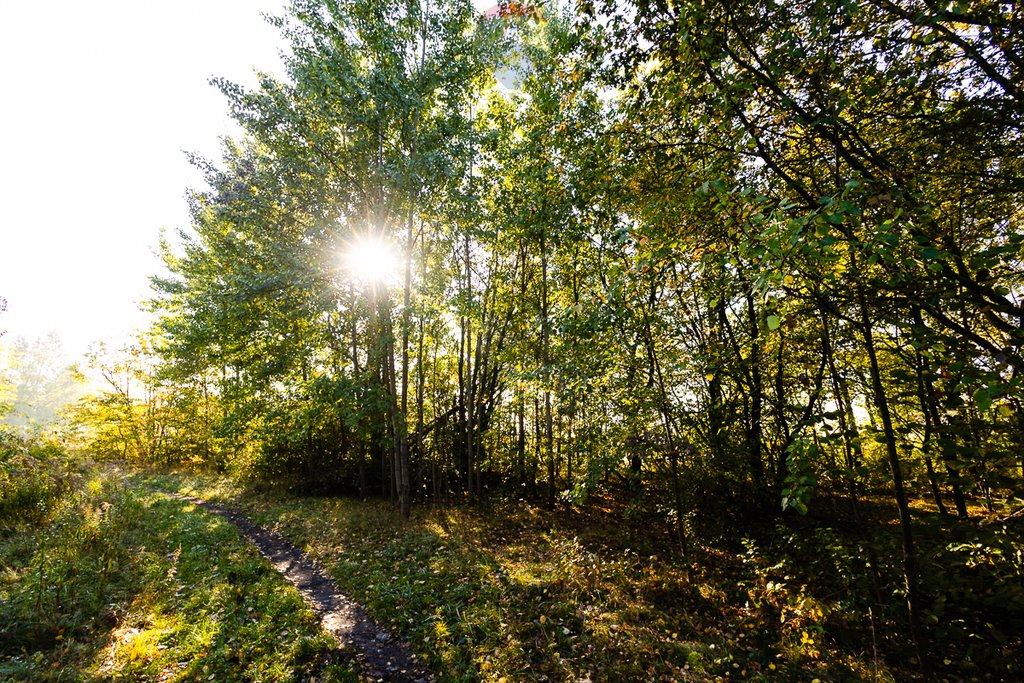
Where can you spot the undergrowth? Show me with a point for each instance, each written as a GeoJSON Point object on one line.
{"type": "Point", "coordinates": [515, 593]}
{"type": "Point", "coordinates": [104, 582]}
{"type": "Point", "coordinates": [521, 594]}
{"type": "Point", "coordinates": [33, 473]}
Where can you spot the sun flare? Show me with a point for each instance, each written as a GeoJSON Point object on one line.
{"type": "Point", "coordinates": [371, 261]}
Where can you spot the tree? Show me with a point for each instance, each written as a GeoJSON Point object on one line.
{"type": "Point", "coordinates": [42, 384]}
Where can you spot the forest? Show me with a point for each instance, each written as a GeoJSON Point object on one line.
{"type": "Point", "coordinates": [652, 340]}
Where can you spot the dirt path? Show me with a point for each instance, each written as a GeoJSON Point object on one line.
{"type": "Point", "coordinates": [380, 655]}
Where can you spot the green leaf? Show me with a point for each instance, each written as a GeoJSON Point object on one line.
{"type": "Point", "coordinates": [983, 399]}
{"type": "Point", "coordinates": [773, 322]}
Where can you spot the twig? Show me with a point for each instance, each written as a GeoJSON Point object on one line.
{"type": "Point", "coordinates": [1007, 518]}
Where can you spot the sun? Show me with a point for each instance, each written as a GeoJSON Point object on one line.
{"type": "Point", "coordinates": [371, 261]}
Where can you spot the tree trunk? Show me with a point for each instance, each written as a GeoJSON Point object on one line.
{"type": "Point", "coordinates": [521, 438]}
{"type": "Point", "coordinates": [909, 552]}
{"type": "Point", "coordinates": [420, 378]}
{"type": "Point", "coordinates": [401, 436]}
{"type": "Point", "coordinates": [468, 394]}
{"type": "Point", "coordinates": [756, 396]}
{"type": "Point", "coordinates": [546, 369]}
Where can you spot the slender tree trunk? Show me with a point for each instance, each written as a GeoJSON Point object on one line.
{"type": "Point", "coordinates": [756, 394]}
{"type": "Point", "coordinates": [523, 291]}
{"type": "Point", "coordinates": [361, 439]}
{"type": "Point", "coordinates": [909, 552]}
{"type": "Point", "coordinates": [675, 448]}
{"type": "Point", "coordinates": [402, 437]}
{"type": "Point", "coordinates": [477, 417]}
{"type": "Point", "coordinates": [570, 441]}
{"type": "Point", "coordinates": [394, 417]}
{"type": "Point", "coordinates": [546, 365]}
{"type": "Point", "coordinates": [463, 422]}
{"type": "Point", "coordinates": [470, 398]}
{"type": "Point", "coordinates": [537, 440]}
{"type": "Point", "coordinates": [926, 442]}
{"type": "Point", "coordinates": [716, 411]}
{"type": "Point", "coordinates": [521, 440]}
{"type": "Point", "coordinates": [420, 376]}
{"type": "Point", "coordinates": [782, 467]}
{"type": "Point", "coordinates": [947, 450]}
{"type": "Point", "coordinates": [851, 450]}
{"type": "Point", "coordinates": [933, 482]}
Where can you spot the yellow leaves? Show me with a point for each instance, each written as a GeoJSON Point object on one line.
{"type": "Point", "coordinates": [652, 65]}
{"type": "Point", "coordinates": [441, 630]}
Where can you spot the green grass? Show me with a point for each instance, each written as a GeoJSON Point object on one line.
{"type": "Point", "coordinates": [520, 594]}
{"type": "Point", "coordinates": [104, 580]}
{"type": "Point", "coordinates": [112, 583]}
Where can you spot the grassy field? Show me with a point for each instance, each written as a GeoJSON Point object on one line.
{"type": "Point", "coordinates": [101, 582]}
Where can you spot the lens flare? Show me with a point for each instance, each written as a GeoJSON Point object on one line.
{"type": "Point", "coordinates": [372, 261]}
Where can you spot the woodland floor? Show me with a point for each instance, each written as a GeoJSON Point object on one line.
{"type": "Point", "coordinates": [510, 592]}
{"type": "Point", "coordinates": [124, 583]}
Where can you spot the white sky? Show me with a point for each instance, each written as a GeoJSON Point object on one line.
{"type": "Point", "coordinates": [99, 101]}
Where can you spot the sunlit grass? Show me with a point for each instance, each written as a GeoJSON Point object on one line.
{"type": "Point", "coordinates": [145, 587]}
{"type": "Point", "coordinates": [517, 593]}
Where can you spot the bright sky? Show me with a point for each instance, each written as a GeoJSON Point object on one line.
{"type": "Point", "coordinates": [101, 99]}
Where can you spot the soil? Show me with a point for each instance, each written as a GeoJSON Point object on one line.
{"type": "Point", "coordinates": [380, 655]}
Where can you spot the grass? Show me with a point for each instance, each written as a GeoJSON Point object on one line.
{"type": "Point", "coordinates": [521, 594]}
{"type": "Point", "coordinates": [107, 583]}
{"type": "Point", "coordinates": [116, 582]}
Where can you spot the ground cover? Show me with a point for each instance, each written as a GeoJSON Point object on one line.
{"type": "Point", "coordinates": [104, 579]}
{"type": "Point", "coordinates": [100, 581]}
{"type": "Point", "coordinates": [520, 594]}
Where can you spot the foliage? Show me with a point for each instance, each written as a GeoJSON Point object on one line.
{"type": "Point", "coordinates": [975, 579]}
{"type": "Point", "coordinates": [139, 415]}
{"type": "Point", "coordinates": [727, 255]}
{"type": "Point", "coordinates": [33, 473]}
{"type": "Point", "coordinates": [37, 384]}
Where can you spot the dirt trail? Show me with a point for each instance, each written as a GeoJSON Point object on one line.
{"type": "Point", "coordinates": [380, 655]}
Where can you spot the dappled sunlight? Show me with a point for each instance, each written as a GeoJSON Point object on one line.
{"type": "Point", "coordinates": [640, 335]}
{"type": "Point", "coordinates": [488, 595]}
{"type": "Point", "coordinates": [161, 591]}
{"type": "Point", "coordinates": [136, 642]}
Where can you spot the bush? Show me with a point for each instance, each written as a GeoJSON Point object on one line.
{"type": "Point", "coordinates": [976, 590]}
{"type": "Point", "coordinates": [32, 474]}
{"type": "Point", "coordinates": [62, 575]}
